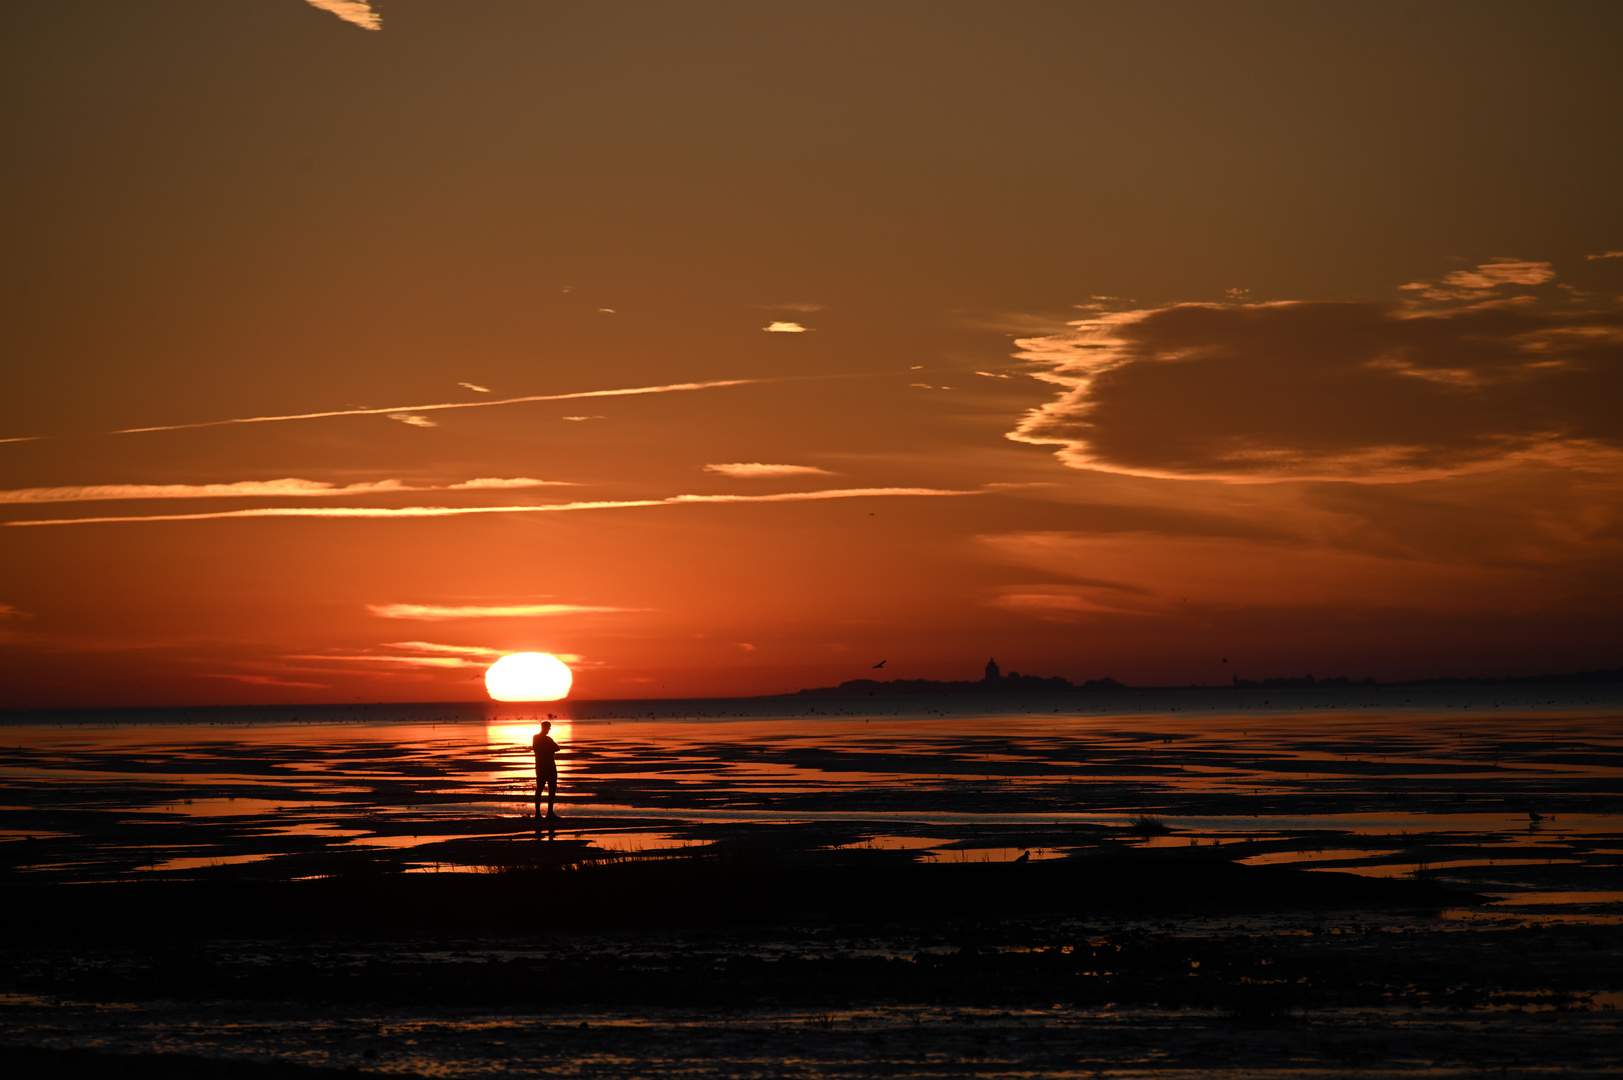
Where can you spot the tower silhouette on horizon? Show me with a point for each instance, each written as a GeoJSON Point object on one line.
{"type": "Point", "coordinates": [993, 672]}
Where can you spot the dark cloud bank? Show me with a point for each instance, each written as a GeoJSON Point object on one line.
{"type": "Point", "coordinates": [1337, 391]}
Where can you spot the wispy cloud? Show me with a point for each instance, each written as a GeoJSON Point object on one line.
{"type": "Point", "coordinates": [289, 487]}
{"type": "Point", "coordinates": [9, 612]}
{"type": "Point", "coordinates": [668, 388]}
{"type": "Point", "coordinates": [358, 12]}
{"type": "Point", "coordinates": [381, 658]}
{"type": "Point", "coordinates": [784, 328]}
{"type": "Point", "coordinates": [1606, 255]}
{"type": "Point", "coordinates": [457, 511]}
{"type": "Point", "coordinates": [420, 654]}
{"type": "Point", "coordinates": [490, 483]}
{"type": "Point", "coordinates": [1479, 283]}
{"type": "Point", "coordinates": [807, 496]}
{"type": "Point", "coordinates": [451, 650]}
{"type": "Point", "coordinates": [753, 469]}
{"type": "Point", "coordinates": [1158, 575]}
{"type": "Point", "coordinates": [477, 655]}
{"type": "Point", "coordinates": [441, 613]}
{"type": "Point", "coordinates": [413, 420]}
{"type": "Point", "coordinates": [266, 680]}
{"type": "Point", "coordinates": [475, 387]}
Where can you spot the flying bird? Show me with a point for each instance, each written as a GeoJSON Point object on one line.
{"type": "Point", "coordinates": [882, 663]}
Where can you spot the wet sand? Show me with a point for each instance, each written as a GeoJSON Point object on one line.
{"type": "Point", "coordinates": [1461, 852]}
{"type": "Point", "coordinates": [1507, 800]}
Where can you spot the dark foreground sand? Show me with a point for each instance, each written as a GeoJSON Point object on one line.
{"type": "Point", "coordinates": [1146, 965]}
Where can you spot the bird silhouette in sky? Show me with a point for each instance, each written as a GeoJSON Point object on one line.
{"type": "Point", "coordinates": [1225, 659]}
{"type": "Point", "coordinates": [882, 663]}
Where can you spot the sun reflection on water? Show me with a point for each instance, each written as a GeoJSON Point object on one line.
{"type": "Point", "coordinates": [508, 728]}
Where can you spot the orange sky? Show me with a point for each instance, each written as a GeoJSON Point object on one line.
{"type": "Point", "coordinates": [730, 348]}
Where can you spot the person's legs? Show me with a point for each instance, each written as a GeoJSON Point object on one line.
{"type": "Point", "coordinates": [552, 795]}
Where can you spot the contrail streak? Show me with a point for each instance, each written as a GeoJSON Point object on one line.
{"type": "Point", "coordinates": [288, 487]}
{"type": "Point", "coordinates": [545, 508]}
{"type": "Point", "coordinates": [630, 392]}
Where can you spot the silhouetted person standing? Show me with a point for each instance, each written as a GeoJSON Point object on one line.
{"type": "Point", "coordinates": [546, 768]}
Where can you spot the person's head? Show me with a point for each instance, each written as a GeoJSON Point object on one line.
{"type": "Point", "coordinates": [546, 726]}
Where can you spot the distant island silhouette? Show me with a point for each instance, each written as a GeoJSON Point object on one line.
{"type": "Point", "coordinates": [994, 681]}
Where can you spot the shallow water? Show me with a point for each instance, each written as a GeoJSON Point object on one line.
{"type": "Point", "coordinates": [1513, 793]}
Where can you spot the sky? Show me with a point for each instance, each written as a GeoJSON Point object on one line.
{"type": "Point", "coordinates": [727, 348]}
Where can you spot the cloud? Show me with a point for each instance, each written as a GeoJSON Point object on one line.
{"type": "Point", "coordinates": [1332, 391]}
{"type": "Point", "coordinates": [379, 658]}
{"type": "Point", "coordinates": [414, 421]}
{"type": "Point", "coordinates": [453, 650]}
{"type": "Point", "coordinates": [580, 418]}
{"type": "Point", "coordinates": [483, 483]}
{"type": "Point", "coordinates": [668, 388]}
{"type": "Point", "coordinates": [289, 487]}
{"type": "Point", "coordinates": [1165, 576]}
{"type": "Point", "coordinates": [1497, 272]}
{"type": "Point", "coordinates": [266, 680]}
{"type": "Point", "coordinates": [475, 388]}
{"type": "Point", "coordinates": [784, 328]}
{"type": "Point", "coordinates": [9, 612]}
{"type": "Point", "coordinates": [806, 496]}
{"type": "Point", "coordinates": [427, 654]}
{"type": "Point", "coordinates": [476, 655]}
{"type": "Point", "coordinates": [440, 613]}
{"type": "Point", "coordinates": [457, 511]}
{"type": "Point", "coordinates": [1480, 282]}
{"type": "Point", "coordinates": [754, 469]}
{"type": "Point", "coordinates": [1606, 255]}
{"type": "Point", "coordinates": [358, 12]}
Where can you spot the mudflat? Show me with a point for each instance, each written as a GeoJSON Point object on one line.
{"type": "Point", "coordinates": [1304, 884]}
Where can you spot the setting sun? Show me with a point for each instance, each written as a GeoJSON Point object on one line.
{"type": "Point", "coordinates": [528, 676]}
